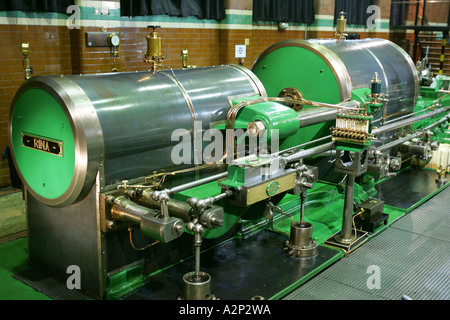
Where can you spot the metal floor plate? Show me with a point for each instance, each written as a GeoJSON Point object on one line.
{"type": "Point", "coordinates": [420, 183]}
{"type": "Point", "coordinates": [49, 285]}
{"type": "Point", "coordinates": [240, 269]}
{"type": "Point", "coordinates": [413, 257]}
{"type": "Point", "coordinates": [429, 219]}
{"type": "Point", "coordinates": [322, 288]}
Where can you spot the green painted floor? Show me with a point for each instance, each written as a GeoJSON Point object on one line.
{"type": "Point", "coordinates": [13, 259]}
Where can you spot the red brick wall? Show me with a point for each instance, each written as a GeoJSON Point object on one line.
{"type": "Point", "coordinates": [202, 44]}
{"type": "Point", "coordinates": [434, 12]}
{"type": "Point", "coordinates": [49, 54]}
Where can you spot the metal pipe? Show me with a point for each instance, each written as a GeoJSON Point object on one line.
{"type": "Point", "coordinates": [197, 183]}
{"type": "Point", "coordinates": [221, 196]}
{"type": "Point", "coordinates": [400, 141]}
{"type": "Point", "coordinates": [406, 122]}
{"type": "Point", "coordinates": [302, 207]}
{"type": "Point", "coordinates": [302, 145]}
{"type": "Point", "coordinates": [324, 112]}
{"type": "Point", "coordinates": [310, 152]}
{"type": "Point", "coordinates": [402, 117]}
{"type": "Point", "coordinates": [313, 116]}
{"type": "Point", "coordinates": [177, 208]}
{"type": "Point", "coordinates": [197, 245]}
{"type": "Point", "coordinates": [347, 222]}
{"type": "Point", "coordinates": [412, 136]}
{"type": "Point", "coordinates": [200, 204]}
{"type": "Point", "coordinates": [350, 105]}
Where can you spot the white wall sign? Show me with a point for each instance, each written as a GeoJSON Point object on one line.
{"type": "Point", "coordinates": [241, 51]}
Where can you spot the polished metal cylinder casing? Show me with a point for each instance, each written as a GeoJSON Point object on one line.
{"type": "Point", "coordinates": [120, 124]}
{"type": "Point", "coordinates": [330, 70]}
{"type": "Point", "coordinates": [397, 72]}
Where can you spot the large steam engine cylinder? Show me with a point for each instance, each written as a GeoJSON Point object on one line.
{"type": "Point", "coordinates": [63, 129]}
{"type": "Point", "coordinates": [334, 71]}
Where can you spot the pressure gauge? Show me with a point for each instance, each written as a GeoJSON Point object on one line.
{"type": "Point", "coordinates": [114, 40]}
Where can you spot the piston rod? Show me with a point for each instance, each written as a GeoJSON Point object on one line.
{"type": "Point", "coordinates": [310, 152]}
{"type": "Point", "coordinates": [197, 183]}
{"type": "Point", "coordinates": [407, 122]}
{"type": "Point", "coordinates": [313, 116]}
{"type": "Point", "coordinates": [412, 136]}
{"type": "Point", "coordinates": [348, 210]}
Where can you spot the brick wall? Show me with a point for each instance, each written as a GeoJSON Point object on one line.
{"type": "Point", "coordinates": [49, 54]}
{"type": "Point", "coordinates": [435, 13]}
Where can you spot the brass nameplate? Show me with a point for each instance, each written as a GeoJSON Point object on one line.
{"type": "Point", "coordinates": [42, 144]}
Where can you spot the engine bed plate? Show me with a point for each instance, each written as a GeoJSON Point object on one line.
{"type": "Point", "coordinates": [242, 269]}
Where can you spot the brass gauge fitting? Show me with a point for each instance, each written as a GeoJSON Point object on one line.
{"type": "Point", "coordinates": [26, 61]}
{"type": "Point", "coordinates": [114, 42]}
{"type": "Point", "coordinates": [184, 55]}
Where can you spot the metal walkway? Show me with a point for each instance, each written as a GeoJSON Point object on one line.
{"type": "Point", "coordinates": [411, 257]}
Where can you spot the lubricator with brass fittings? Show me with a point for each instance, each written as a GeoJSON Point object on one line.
{"type": "Point", "coordinates": [154, 54]}
{"type": "Point", "coordinates": [377, 98]}
{"type": "Point", "coordinates": [376, 88]}
{"type": "Point", "coordinates": [341, 25]}
{"type": "Point", "coordinates": [352, 126]}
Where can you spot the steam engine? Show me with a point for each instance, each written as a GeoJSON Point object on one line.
{"type": "Point", "coordinates": [179, 181]}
